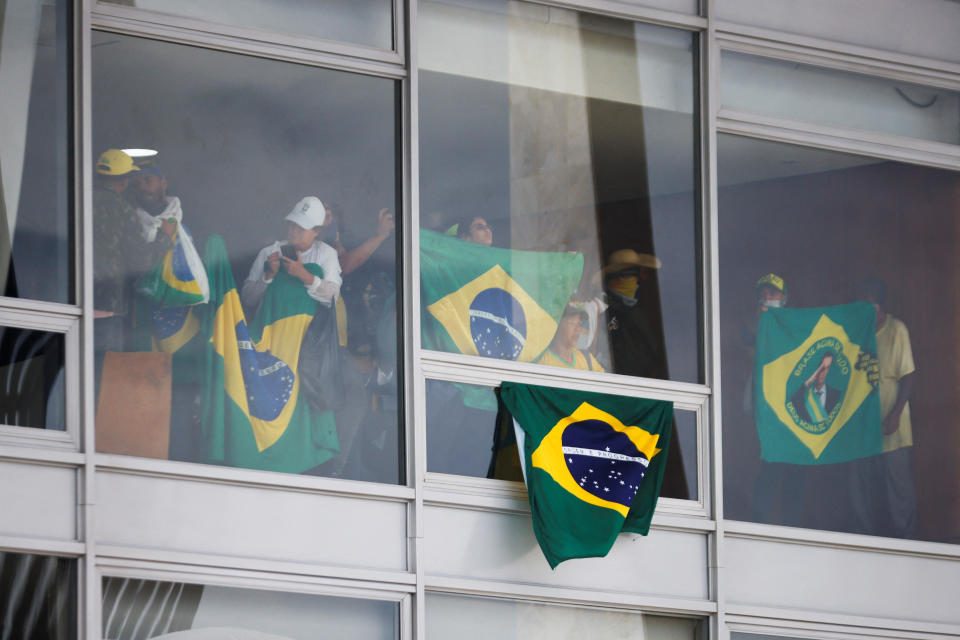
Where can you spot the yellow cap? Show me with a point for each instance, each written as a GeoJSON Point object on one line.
{"type": "Point", "coordinates": [772, 280]}
{"type": "Point", "coordinates": [114, 162]}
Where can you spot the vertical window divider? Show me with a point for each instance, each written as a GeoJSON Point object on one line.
{"type": "Point", "coordinates": [709, 104]}
{"type": "Point", "coordinates": [414, 388]}
{"type": "Point", "coordinates": [89, 592]}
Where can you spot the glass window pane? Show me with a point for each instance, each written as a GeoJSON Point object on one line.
{"type": "Point", "coordinates": [925, 29]}
{"type": "Point", "coordinates": [470, 618]}
{"type": "Point", "coordinates": [174, 609]}
{"type": "Point", "coordinates": [278, 183]}
{"type": "Point", "coordinates": [32, 392]}
{"type": "Point", "coordinates": [366, 22]}
{"type": "Point", "coordinates": [845, 429]}
{"type": "Point", "coordinates": [462, 440]}
{"type": "Point", "coordinates": [38, 596]}
{"type": "Point", "coordinates": [36, 229]}
{"type": "Point", "coordinates": [839, 99]}
{"type": "Point", "coordinates": [557, 166]}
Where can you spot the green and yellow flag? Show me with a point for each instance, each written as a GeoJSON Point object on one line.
{"type": "Point", "coordinates": [179, 278]}
{"type": "Point", "coordinates": [593, 464]}
{"type": "Point", "coordinates": [815, 381]}
{"type": "Point", "coordinates": [254, 416]}
{"type": "Point", "coordinates": [498, 303]}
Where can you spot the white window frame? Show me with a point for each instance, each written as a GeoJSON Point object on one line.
{"type": "Point", "coordinates": [62, 320]}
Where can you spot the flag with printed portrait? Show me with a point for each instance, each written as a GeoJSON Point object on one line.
{"type": "Point", "coordinates": [815, 384]}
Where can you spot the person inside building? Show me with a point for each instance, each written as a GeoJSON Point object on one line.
{"type": "Point", "coordinates": [303, 246]}
{"type": "Point", "coordinates": [563, 351]}
{"type": "Point", "coordinates": [172, 325]}
{"type": "Point", "coordinates": [475, 229]}
{"type": "Point", "coordinates": [634, 323]}
{"type": "Point", "coordinates": [366, 421]}
{"type": "Point", "coordinates": [889, 476]}
{"type": "Point", "coordinates": [779, 487]}
{"type": "Point", "coordinates": [123, 253]}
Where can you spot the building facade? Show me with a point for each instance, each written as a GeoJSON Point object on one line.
{"type": "Point", "coordinates": [669, 171]}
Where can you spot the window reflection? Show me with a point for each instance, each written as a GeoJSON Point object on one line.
{"type": "Point", "coordinates": [557, 168]}
{"type": "Point", "coordinates": [36, 233]}
{"type": "Point", "coordinates": [463, 438]}
{"type": "Point", "coordinates": [32, 392]}
{"type": "Point", "coordinates": [839, 99]}
{"type": "Point", "coordinates": [804, 230]}
{"type": "Point", "coordinates": [134, 608]}
{"type": "Point", "coordinates": [38, 596]}
{"type": "Point", "coordinates": [244, 261]}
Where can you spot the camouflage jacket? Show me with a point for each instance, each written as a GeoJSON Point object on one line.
{"type": "Point", "coordinates": [121, 255]}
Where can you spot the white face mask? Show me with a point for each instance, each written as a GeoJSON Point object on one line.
{"type": "Point", "coordinates": [773, 303]}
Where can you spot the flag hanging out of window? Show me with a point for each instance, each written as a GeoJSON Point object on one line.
{"type": "Point", "coordinates": [593, 464]}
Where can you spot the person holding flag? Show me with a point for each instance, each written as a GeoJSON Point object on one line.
{"type": "Point", "coordinates": [168, 295]}
{"type": "Point", "coordinates": [303, 247]}
{"type": "Point", "coordinates": [256, 413]}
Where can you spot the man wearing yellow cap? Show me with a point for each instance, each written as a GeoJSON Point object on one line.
{"type": "Point", "coordinates": [121, 254]}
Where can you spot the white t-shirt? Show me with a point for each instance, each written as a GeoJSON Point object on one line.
{"type": "Point", "coordinates": [323, 290]}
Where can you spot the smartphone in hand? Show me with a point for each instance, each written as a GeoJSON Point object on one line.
{"type": "Point", "coordinates": [289, 251]}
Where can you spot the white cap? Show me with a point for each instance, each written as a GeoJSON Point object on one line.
{"type": "Point", "coordinates": [308, 213]}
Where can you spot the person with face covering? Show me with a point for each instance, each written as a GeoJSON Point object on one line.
{"type": "Point", "coordinates": [302, 247]}
{"type": "Point", "coordinates": [634, 323]}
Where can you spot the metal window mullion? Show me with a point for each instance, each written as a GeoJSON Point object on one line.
{"type": "Point", "coordinates": [709, 104]}
{"type": "Point", "coordinates": [819, 624]}
{"type": "Point", "coordinates": [232, 44]}
{"type": "Point", "coordinates": [41, 546]}
{"type": "Point", "coordinates": [122, 17]}
{"type": "Point", "coordinates": [634, 13]}
{"type": "Point", "coordinates": [841, 540]}
{"type": "Point", "coordinates": [416, 423]}
{"type": "Point", "coordinates": [567, 596]}
{"type": "Point", "coordinates": [938, 155]}
{"type": "Point", "coordinates": [216, 474]}
{"type": "Point", "coordinates": [491, 372]}
{"type": "Point", "coordinates": [88, 600]}
{"type": "Point", "coordinates": [836, 55]}
{"type": "Point", "coordinates": [265, 579]}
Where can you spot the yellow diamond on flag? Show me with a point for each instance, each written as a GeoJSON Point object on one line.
{"type": "Point", "coordinates": [827, 346]}
{"type": "Point", "coordinates": [493, 316]}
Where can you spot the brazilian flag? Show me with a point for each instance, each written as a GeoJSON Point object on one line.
{"type": "Point", "coordinates": [253, 414]}
{"type": "Point", "coordinates": [498, 303]}
{"type": "Point", "coordinates": [815, 384]}
{"type": "Point", "coordinates": [593, 464]}
{"type": "Point", "coordinates": [172, 287]}
{"type": "Point", "coordinates": [177, 280]}
{"type": "Point", "coordinates": [173, 328]}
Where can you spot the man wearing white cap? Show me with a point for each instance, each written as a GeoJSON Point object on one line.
{"type": "Point", "coordinates": [304, 224]}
